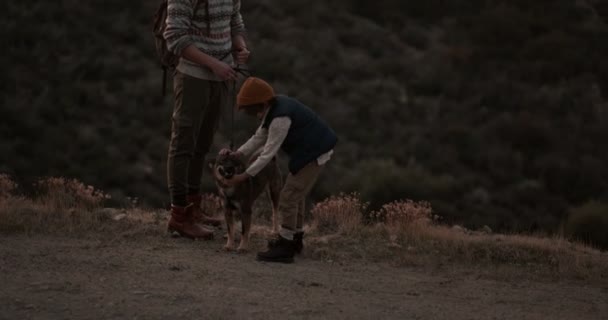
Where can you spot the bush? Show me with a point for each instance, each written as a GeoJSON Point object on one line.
{"type": "Point", "coordinates": [589, 223]}
{"type": "Point", "coordinates": [339, 214]}
{"type": "Point", "coordinates": [381, 181]}
{"type": "Point", "coordinates": [63, 206]}
{"type": "Point", "coordinates": [404, 216]}
{"type": "Point", "coordinates": [210, 205]}
{"type": "Point", "coordinates": [62, 193]}
{"type": "Point", "coordinates": [7, 186]}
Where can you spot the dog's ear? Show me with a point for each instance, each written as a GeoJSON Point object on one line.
{"type": "Point", "coordinates": [210, 165]}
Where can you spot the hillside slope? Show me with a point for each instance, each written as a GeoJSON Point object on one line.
{"type": "Point", "coordinates": [495, 112]}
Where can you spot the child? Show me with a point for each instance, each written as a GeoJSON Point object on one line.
{"type": "Point", "coordinates": [289, 125]}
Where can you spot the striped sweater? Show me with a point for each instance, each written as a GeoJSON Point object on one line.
{"type": "Point", "coordinates": [210, 29]}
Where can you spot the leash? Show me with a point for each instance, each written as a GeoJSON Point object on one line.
{"type": "Point", "coordinates": [232, 115]}
{"type": "Point", "coordinates": [245, 73]}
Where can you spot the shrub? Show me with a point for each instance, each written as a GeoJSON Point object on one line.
{"type": "Point", "coordinates": [211, 205]}
{"type": "Point", "coordinates": [69, 207]}
{"type": "Point", "coordinates": [62, 193]}
{"type": "Point", "coordinates": [7, 186]}
{"type": "Point", "coordinates": [338, 214]}
{"type": "Point", "coordinates": [404, 216]}
{"type": "Point", "coordinates": [62, 206]}
{"type": "Point", "coordinates": [381, 181]}
{"type": "Point", "coordinates": [589, 223]}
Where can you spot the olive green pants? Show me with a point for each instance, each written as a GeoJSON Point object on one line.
{"type": "Point", "coordinates": [293, 196]}
{"type": "Point", "coordinates": [196, 115]}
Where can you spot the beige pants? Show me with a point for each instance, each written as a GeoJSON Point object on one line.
{"type": "Point", "coordinates": [293, 196]}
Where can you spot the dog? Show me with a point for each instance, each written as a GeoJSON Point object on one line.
{"type": "Point", "coordinates": [241, 197]}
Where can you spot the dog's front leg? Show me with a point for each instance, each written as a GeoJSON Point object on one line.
{"type": "Point", "coordinates": [229, 217]}
{"type": "Point", "coordinates": [246, 228]}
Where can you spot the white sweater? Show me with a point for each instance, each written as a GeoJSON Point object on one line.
{"type": "Point", "coordinates": [271, 139]}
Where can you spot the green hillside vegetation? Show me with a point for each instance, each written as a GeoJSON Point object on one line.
{"type": "Point", "coordinates": [493, 111]}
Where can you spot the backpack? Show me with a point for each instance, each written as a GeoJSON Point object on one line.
{"type": "Point", "coordinates": [166, 58]}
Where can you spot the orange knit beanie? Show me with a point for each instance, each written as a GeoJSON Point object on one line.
{"type": "Point", "coordinates": [254, 91]}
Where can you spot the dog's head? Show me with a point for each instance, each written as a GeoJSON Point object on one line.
{"type": "Point", "coordinates": [226, 166]}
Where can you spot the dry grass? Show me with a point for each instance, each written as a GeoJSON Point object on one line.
{"type": "Point", "coordinates": [61, 193]}
{"type": "Point", "coordinates": [7, 186]}
{"type": "Point", "coordinates": [404, 216]}
{"type": "Point", "coordinates": [211, 205]}
{"type": "Point", "coordinates": [68, 207]}
{"type": "Point", "coordinates": [402, 232]}
{"type": "Point", "coordinates": [553, 254]}
{"type": "Point", "coordinates": [406, 233]}
{"type": "Point", "coordinates": [338, 214]}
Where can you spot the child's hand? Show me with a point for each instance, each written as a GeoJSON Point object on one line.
{"type": "Point", "coordinates": [236, 180]}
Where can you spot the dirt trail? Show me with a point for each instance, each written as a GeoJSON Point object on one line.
{"type": "Point", "coordinates": [60, 278]}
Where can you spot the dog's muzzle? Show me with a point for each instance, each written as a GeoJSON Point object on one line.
{"type": "Point", "coordinates": [227, 173]}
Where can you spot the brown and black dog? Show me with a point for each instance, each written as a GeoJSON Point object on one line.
{"type": "Point", "coordinates": [242, 197]}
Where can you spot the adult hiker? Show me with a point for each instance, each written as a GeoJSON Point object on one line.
{"type": "Point", "coordinates": [208, 36]}
{"type": "Point", "coordinates": [308, 141]}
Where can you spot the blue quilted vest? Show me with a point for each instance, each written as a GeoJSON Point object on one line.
{"type": "Point", "coordinates": [308, 137]}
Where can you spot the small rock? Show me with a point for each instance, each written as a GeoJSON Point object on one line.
{"type": "Point", "coordinates": [486, 229]}
{"type": "Point", "coordinates": [108, 212]}
{"type": "Point", "coordinates": [394, 245]}
{"type": "Point", "coordinates": [175, 268]}
{"type": "Point", "coordinates": [119, 217]}
{"type": "Point", "coordinates": [458, 228]}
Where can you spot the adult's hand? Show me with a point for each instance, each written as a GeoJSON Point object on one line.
{"type": "Point", "coordinates": [226, 152]}
{"type": "Point", "coordinates": [223, 70]}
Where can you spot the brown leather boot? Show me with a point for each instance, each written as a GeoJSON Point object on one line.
{"type": "Point", "coordinates": [182, 223]}
{"type": "Point", "coordinates": [195, 199]}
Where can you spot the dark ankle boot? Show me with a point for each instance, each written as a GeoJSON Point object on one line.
{"type": "Point", "coordinates": [279, 250]}
{"type": "Point", "coordinates": [298, 240]}
{"type": "Point", "coordinates": [195, 200]}
{"type": "Point", "coordinates": [182, 223]}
